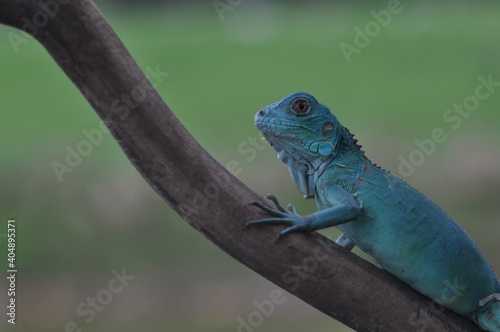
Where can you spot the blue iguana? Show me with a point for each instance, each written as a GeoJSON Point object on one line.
{"type": "Point", "coordinates": [405, 232]}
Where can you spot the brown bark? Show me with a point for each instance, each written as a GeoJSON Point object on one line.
{"type": "Point", "coordinates": [203, 193]}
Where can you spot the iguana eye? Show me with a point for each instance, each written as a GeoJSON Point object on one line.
{"type": "Point", "coordinates": [301, 107]}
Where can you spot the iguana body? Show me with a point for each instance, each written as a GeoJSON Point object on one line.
{"type": "Point", "coordinates": [405, 232]}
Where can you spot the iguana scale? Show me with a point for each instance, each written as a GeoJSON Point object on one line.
{"type": "Point", "coordinates": [405, 232]}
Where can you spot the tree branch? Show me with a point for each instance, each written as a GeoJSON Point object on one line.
{"type": "Point", "coordinates": [203, 193]}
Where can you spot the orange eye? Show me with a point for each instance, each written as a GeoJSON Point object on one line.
{"type": "Point", "coordinates": [301, 107]}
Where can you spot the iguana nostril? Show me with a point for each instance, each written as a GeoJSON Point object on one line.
{"type": "Point", "coordinates": [261, 112]}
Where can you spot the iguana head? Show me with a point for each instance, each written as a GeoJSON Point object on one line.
{"type": "Point", "coordinates": [305, 134]}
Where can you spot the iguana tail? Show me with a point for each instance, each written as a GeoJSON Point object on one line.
{"type": "Point", "coordinates": [488, 316]}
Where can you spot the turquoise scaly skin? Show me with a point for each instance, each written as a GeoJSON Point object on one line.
{"type": "Point", "coordinates": [405, 232]}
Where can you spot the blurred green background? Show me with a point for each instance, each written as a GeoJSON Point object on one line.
{"type": "Point", "coordinates": [103, 217]}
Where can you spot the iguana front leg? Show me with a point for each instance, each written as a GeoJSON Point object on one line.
{"type": "Point", "coordinates": [345, 242]}
{"type": "Point", "coordinates": [345, 208]}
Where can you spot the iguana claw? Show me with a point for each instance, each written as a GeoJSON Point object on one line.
{"type": "Point", "coordinates": [284, 216]}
